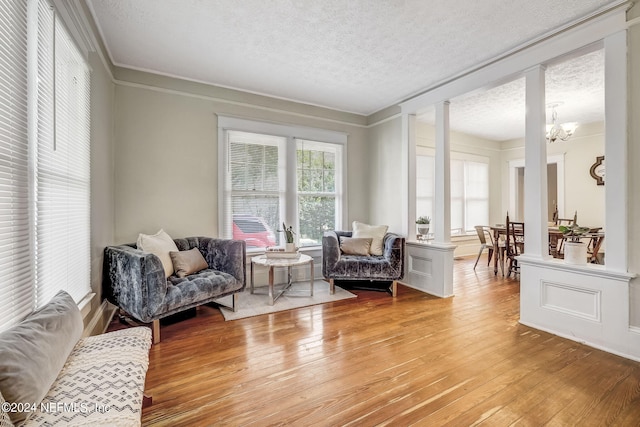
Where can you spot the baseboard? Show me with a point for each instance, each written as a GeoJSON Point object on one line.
{"type": "Point", "coordinates": [100, 320]}
{"type": "Point", "coordinates": [608, 349]}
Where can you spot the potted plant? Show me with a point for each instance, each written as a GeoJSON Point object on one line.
{"type": "Point", "coordinates": [288, 237]}
{"type": "Point", "coordinates": [575, 251]}
{"type": "Point", "coordinates": [423, 224]}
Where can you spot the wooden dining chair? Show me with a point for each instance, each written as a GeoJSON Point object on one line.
{"type": "Point", "coordinates": [483, 232]}
{"type": "Point", "coordinates": [514, 245]}
{"type": "Point", "coordinates": [595, 244]}
{"type": "Point", "coordinates": [560, 244]}
{"type": "Point", "coordinates": [565, 221]}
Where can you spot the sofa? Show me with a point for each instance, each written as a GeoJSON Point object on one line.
{"type": "Point", "coordinates": [386, 265]}
{"type": "Point", "coordinates": [49, 375]}
{"type": "Point", "coordinates": [137, 282]}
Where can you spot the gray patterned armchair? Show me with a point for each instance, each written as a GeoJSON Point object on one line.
{"type": "Point", "coordinates": [135, 280]}
{"type": "Point", "coordinates": [387, 267]}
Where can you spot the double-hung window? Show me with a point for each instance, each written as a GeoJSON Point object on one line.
{"type": "Point", "coordinates": [273, 174]}
{"type": "Point", "coordinates": [44, 160]}
{"type": "Point", "coordinates": [62, 159]}
{"type": "Point", "coordinates": [469, 190]}
{"type": "Point", "coordinates": [317, 183]}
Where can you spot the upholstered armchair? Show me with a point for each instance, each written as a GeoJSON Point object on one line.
{"type": "Point", "coordinates": [135, 280]}
{"type": "Point", "coordinates": [337, 265]}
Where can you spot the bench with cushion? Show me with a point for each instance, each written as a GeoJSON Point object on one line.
{"type": "Point", "coordinates": [51, 376]}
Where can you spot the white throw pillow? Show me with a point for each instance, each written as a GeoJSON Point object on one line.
{"type": "Point", "coordinates": [376, 232]}
{"type": "Point", "coordinates": [159, 244]}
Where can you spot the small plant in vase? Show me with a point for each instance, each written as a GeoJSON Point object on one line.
{"type": "Point", "coordinates": [575, 251]}
{"type": "Point", "coordinates": [288, 237]}
{"type": "Point", "coordinates": [423, 224]}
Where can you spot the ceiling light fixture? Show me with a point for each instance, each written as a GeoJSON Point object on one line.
{"type": "Point", "coordinates": [557, 131]}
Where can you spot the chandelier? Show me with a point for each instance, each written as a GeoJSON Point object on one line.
{"type": "Point", "coordinates": [557, 131]}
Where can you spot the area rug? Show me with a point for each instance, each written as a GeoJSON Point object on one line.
{"type": "Point", "coordinates": [298, 296]}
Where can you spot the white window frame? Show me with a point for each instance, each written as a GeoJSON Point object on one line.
{"type": "Point", "coordinates": [464, 157]}
{"type": "Point", "coordinates": [62, 175]}
{"type": "Point", "coordinates": [65, 247]}
{"type": "Point", "coordinates": [292, 134]}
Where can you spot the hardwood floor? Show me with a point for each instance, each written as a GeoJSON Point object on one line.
{"type": "Point", "coordinates": [375, 360]}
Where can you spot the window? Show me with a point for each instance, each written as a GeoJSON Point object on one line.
{"type": "Point", "coordinates": [469, 190]}
{"type": "Point", "coordinates": [254, 163]}
{"type": "Point", "coordinates": [62, 175]}
{"type": "Point", "coordinates": [316, 176]}
{"type": "Point", "coordinates": [425, 187]}
{"type": "Point", "coordinates": [271, 176]}
{"type": "Point", "coordinates": [44, 161]}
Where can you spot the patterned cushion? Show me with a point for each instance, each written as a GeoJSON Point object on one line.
{"type": "Point", "coordinates": [5, 421]}
{"type": "Point", "coordinates": [101, 384]}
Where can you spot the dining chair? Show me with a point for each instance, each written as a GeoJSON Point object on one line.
{"type": "Point", "coordinates": [483, 232]}
{"type": "Point", "coordinates": [595, 244]}
{"type": "Point", "coordinates": [514, 245]}
{"type": "Point", "coordinates": [564, 221]}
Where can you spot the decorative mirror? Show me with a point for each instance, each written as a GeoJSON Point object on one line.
{"type": "Point", "coordinates": [597, 170]}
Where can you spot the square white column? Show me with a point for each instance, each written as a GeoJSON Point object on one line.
{"type": "Point", "coordinates": [442, 206]}
{"type": "Point", "coordinates": [535, 171]}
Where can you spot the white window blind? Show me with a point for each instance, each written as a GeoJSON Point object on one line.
{"type": "Point", "coordinates": [254, 188]}
{"type": "Point", "coordinates": [476, 184]}
{"type": "Point", "coordinates": [273, 173]}
{"type": "Point", "coordinates": [425, 187]}
{"type": "Point", "coordinates": [62, 163]}
{"type": "Point", "coordinates": [457, 197]}
{"type": "Point", "coordinates": [469, 192]}
{"type": "Point", "coordinates": [16, 269]}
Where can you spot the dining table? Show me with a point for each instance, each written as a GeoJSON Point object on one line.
{"type": "Point", "coordinates": [555, 235]}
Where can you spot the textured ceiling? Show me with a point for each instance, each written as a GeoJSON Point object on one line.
{"type": "Point", "coordinates": [358, 55]}
{"type": "Point", "coordinates": [576, 85]}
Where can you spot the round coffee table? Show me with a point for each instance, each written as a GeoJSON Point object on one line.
{"type": "Point", "coordinates": [262, 260]}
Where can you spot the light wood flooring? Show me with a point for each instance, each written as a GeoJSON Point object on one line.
{"type": "Point", "coordinates": [376, 360]}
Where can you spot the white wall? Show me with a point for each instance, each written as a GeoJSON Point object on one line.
{"type": "Point", "coordinates": [581, 192]}
{"type": "Point", "coordinates": [102, 182]}
{"type": "Point", "coordinates": [166, 155]}
{"type": "Point", "coordinates": [384, 175]}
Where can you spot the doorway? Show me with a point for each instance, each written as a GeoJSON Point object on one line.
{"type": "Point", "coordinates": [555, 187]}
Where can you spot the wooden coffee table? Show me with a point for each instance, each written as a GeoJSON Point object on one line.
{"type": "Point", "coordinates": [272, 263]}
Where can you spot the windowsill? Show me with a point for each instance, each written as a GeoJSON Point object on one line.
{"type": "Point", "coordinates": [454, 238]}
{"type": "Point", "coordinates": [85, 304]}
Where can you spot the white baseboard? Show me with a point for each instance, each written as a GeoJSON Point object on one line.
{"type": "Point", "coordinates": [608, 349]}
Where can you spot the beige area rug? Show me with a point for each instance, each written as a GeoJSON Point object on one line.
{"type": "Point", "coordinates": [297, 296]}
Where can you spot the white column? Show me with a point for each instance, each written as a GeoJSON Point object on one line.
{"type": "Point", "coordinates": [409, 141]}
{"type": "Point", "coordinates": [615, 103]}
{"type": "Point", "coordinates": [291, 210]}
{"type": "Point", "coordinates": [442, 175]}
{"type": "Point", "coordinates": [535, 176]}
